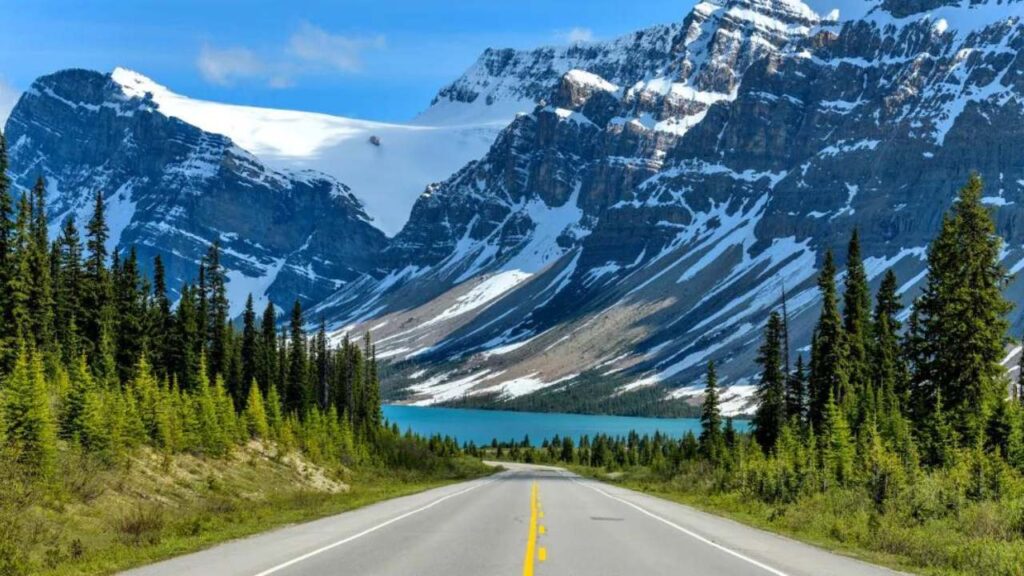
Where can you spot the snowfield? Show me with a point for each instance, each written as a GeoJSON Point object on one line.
{"type": "Point", "coordinates": [387, 165]}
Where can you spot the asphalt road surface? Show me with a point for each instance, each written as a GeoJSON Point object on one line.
{"type": "Point", "coordinates": [528, 520]}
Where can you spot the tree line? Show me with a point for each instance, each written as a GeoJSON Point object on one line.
{"type": "Point", "coordinates": [94, 354]}
{"type": "Point", "coordinates": [923, 391]}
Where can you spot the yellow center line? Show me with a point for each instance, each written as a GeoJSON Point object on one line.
{"type": "Point", "coordinates": [531, 538]}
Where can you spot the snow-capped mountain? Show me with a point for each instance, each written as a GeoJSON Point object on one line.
{"type": "Point", "coordinates": [386, 166]}
{"type": "Point", "coordinates": [173, 189]}
{"type": "Point", "coordinates": [646, 216]}
{"type": "Point", "coordinates": [642, 213]}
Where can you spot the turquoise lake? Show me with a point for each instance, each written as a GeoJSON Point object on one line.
{"type": "Point", "coordinates": [481, 426]}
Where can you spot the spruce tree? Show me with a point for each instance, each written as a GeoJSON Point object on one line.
{"type": "Point", "coordinates": [96, 289]}
{"type": "Point", "coordinates": [829, 373]}
{"type": "Point", "coordinates": [322, 360]}
{"type": "Point", "coordinates": [711, 443]}
{"type": "Point", "coordinates": [129, 304]}
{"type": "Point", "coordinates": [19, 279]}
{"type": "Point", "coordinates": [839, 450]}
{"type": "Point", "coordinates": [188, 341]}
{"type": "Point", "coordinates": [161, 322]}
{"type": "Point", "coordinates": [856, 320]}
{"type": "Point", "coordinates": [371, 387]}
{"type": "Point", "coordinates": [68, 292]}
{"type": "Point", "coordinates": [796, 393]}
{"type": "Point", "coordinates": [96, 434]}
{"type": "Point", "coordinates": [962, 315]}
{"type": "Point", "coordinates": [30, 425]}
{"type": "Point", "coordinates": [216, 318]}
{"type": "Point", "coordinates": [256, 414]}
{"type": "Point", "coordinates": [250, 344]}
{"type": "Point", "coordinates": [266, 372]}
{"type": "Point", "coordinates": [297, 397]}
{"type": "Point", "coordinates": [40, 293]}
{"type": "Point", "coordinates": [81, 384]}
{"type": "Point", "coordinates": [888, 369]}
{"type": "Point", "coordinates": [275, 416]}
{"type": "Point", "coordinates": [770, 415]}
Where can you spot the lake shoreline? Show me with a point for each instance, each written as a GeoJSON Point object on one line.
{"type": "Point", "coordinates": [481, 426]}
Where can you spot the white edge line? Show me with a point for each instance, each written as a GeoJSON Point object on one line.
{"type": "Point", "coordinates": [689, 533]}
{"type": "Point", "coordinates": [309, 555]}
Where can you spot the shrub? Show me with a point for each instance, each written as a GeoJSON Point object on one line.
{"type": "Point", "coordinates": [141, 525]}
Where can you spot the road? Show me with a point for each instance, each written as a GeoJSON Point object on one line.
{"type": "Point", "coordinates": [527, 520]}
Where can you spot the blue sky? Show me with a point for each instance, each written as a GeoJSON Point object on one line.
{"type": "Point", "coordinates": [376, 59]}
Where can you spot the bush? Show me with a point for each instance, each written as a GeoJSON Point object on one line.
{"type": "Point", "coordinates": [141, 525]}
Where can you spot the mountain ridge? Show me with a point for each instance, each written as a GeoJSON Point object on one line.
{"type": "Point", "coordinates": [646, 211]}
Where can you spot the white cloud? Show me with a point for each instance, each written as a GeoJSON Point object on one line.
{"type": "Point", "coordinates": [577, 35]}
{"type": "Point", "coordinates": [313, 45]}
{"type": "Point", "coordinates": [310, 50]}
{"type": "Point", "coordinates": [8, 98]}
{"type": "Point", "coordinates": [223, 66]}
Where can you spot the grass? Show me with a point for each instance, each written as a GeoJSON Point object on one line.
{"type": "Point", "coordinates": [154, 507]}
{"type": "Point", "coordinates": [981, 539]}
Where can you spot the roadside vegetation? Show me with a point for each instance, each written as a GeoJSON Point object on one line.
{"type": "Point", "coordinates": [901, 444]}
{"type": "Point", "coordinates": [132, 430]}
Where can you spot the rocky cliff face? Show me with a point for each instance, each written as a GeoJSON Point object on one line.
{"type": "Point", "coordinates": [172, 189]}
{"type": "Point", "coordinates": [647, 215]}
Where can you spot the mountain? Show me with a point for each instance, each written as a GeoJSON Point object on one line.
{"type": "Point", "coordinates": [173, 189]}
{"type": "Point", "coordinates": [668, 186]}
{"type": "Point", "coordinates": [580, 227]}
{"type": "Point", "coordinates": [386, 166]}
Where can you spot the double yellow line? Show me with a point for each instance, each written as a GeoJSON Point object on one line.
{"type": "Point", "coordinates": [532, 550]}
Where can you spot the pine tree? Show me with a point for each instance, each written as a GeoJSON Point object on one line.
{"type": "Point", "coordinates": [161, 322]}
{"type": "Point", "coordinates": [19, 280]}
{"type": "Point", "coordinates": [146, 391]}
{"type": "Point", "coordinates": [249, 353]}
{"type": "Point", "coordinates": [30, 425]}
{"type": "Point", "coordinates": [188, 341]}
{"type": "Point", "coordinates": [275, 416]}
{"type": "Point", "coordinates": [129, 302]}
{"type": "Point", "coordinates": [937, 436]}
{"type": "Point", "coordinates": [255, 414]}
{"type": "Point", "coordinates": [207, 415]}
{"type": "Point", "coordinates": [889, 371]}
{"type": "Point", "coordinates": [839, 451]}
{"type": "Point", "coordinates": [829, 373]}
{"type": "Point", "coordinates": [97, 435]}
{"type": "Point", "coordinates": [227, 419]}
{"type": "Point", "coordinates": [711, 442]}
{"type": "Point", "coordinates": [96, 289]}
{"type": "Point", "coordinates": [81, 383]}
{"type": "Point", "coordinates": [322, 360]}
{"type": "Point", "coordinates": [962, 315]}
{"type": "Point", "coordinates": [266, 373]}
{"type": "Point", "coordinates": [40, 292]}
{"type": "Point", "coordinates": [796, 393]}
{"type": "Point", "coordinates": [729, 436]}
{"type": "Point", "coordinates": [770, 415]}
{"type": "Point", "coordinates": [856, 321]}
{"type": "Point", "coordinates": [216, 318]}
{"type": "Point", "coordinates": [296, 398]}
{"type": "Point", "coordinates": [371, 387]}
{"type": "Point", "coordinates": [68, 292]}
